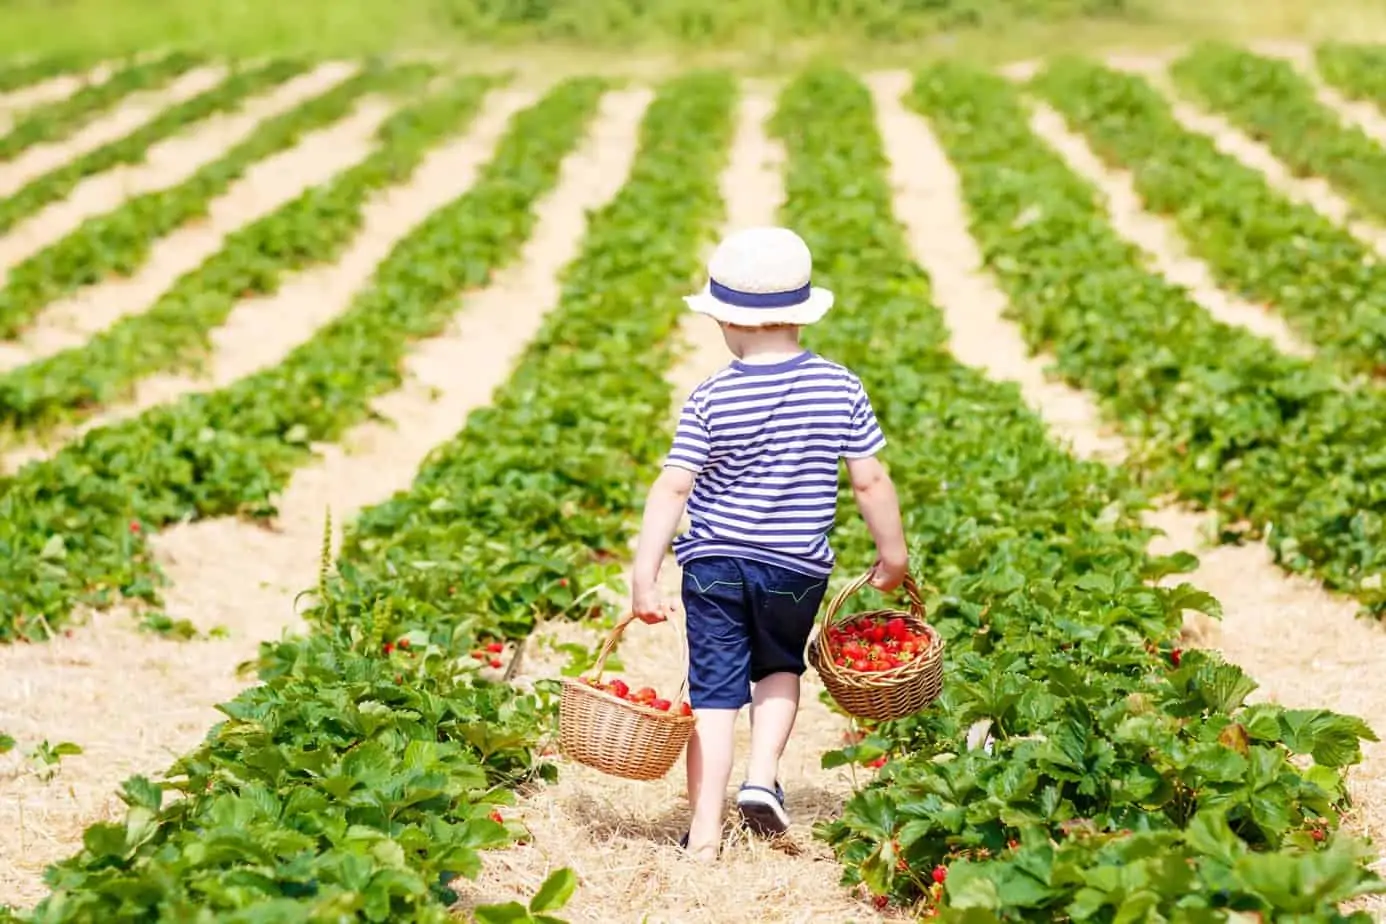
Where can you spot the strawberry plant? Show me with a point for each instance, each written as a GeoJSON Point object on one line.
{"type": "Point", "coordinates": [75, 528]}
{"type": "Point", "coordinates": [1270, 100]}
{"type": "Point", "coordinates": [1117, 786]}
{"type": "Point", "coordinates": [1359, 71]}
{"type": "Point", "coordinates": [174, 333]}
{"type": "Point", "coordinates": [119, 241]}
{"type": "Point", "coordinates": [56, 121]}
{"type": "Point", "coordinates": [1279, 446]}
{"type": "Point", "coordinates": [528, 510]}
{"type": "Point", "coordinates": [131, 149]}
{"type": "Point", "coordinates": [1330, 286]}
{"type": "Point", "coordinates": [15, 76]}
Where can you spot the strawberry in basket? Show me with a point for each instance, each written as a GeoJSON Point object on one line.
{"type": "Point", "coordinates": [871, 644]}
{"type": "Point", "coordinates": [645, 696]}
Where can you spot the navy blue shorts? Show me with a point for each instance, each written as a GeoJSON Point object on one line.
{"type": "Point", "coordinates": [746, 621]}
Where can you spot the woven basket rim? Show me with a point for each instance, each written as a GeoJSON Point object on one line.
{"type": "Point", "coordinates": [609, 698]}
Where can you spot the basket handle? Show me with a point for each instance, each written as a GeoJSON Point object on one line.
{"type": "Point", "coordinates": [614, 636]}
{"type": "Point", "coordinates": [911, 591]}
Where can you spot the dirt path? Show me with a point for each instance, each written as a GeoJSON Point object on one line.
{"type": "Point", "coordinates": [618, 835]}
{"type": "Point", "coordinates": [259, 331]}
{"type": "Point", "coordinates": [133, 703]}
{"type": "Point", "coordinates": [128, 115]}
{"type": "Point", "coordinates": [1312, 191]}
{"type": "Point", "coordinates": [15, 103]}
{"type": "Point", "coordinates": [1159, 238]}
{"type": "Point", "coordinates": [1303, 645]}
{"type": "Point", "coordinates": [167, 164]}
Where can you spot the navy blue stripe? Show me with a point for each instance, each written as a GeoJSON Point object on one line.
{"type": "Point", "coordinates": [758, 299]}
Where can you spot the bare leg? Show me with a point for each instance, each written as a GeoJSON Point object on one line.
{"type": "Point", "coordinates": [709, 771]}
{"type": "Point", "coordinates": [774, 707]}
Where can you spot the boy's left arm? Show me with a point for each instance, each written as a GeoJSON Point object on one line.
{"type": "Point", "coordinates": [663, 510]}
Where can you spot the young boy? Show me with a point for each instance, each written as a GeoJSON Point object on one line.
{"type": "Point", "coordinates": [755, 460]}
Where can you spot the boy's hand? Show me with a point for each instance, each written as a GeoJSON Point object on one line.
{"type": "Point", "coordinates": [648, 605]}
{"type": "Point", "coordinates": [886, 576]}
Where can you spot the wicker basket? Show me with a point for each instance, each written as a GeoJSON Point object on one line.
{"type": "Point", "coordinates": [883, 695]}
{"type": "Point", "coordinates": [618, 737]}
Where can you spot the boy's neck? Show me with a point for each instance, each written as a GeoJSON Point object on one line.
{"type": "Point", "coordinates": [762, 347]}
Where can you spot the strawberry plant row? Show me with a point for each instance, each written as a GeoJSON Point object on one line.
{"type": "Point", "coordinates": [352, 784]}
{"type": "Point", "coordinates": [174, 333]}
{"type": "Point", "coordinates": [1359, 71]}
{"type": "Point", "coordinates": [1271, 101]}
{"type": "Point", "coordinates": [56, 121]}
{"type": "Point", "coordinates": [1219, 417]}
{"type": "Point", "coordinates": [119, 241]}
{"type": "Point", "coordinates": [375, 720]}
{"type": "Point", "coordinates": [1330, 286]}
{"type": "Point", "coordinates": [73, 529]}
{"type": "Point", "coordinates": [1115, 760]}
{"type": "Point", "coordinates": [132, 149]}
{"type": "Point", "coordinates": [17, 76]}
{"type": "Point", "coordinates": [528, 510]}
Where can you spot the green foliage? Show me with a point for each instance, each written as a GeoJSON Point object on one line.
{"type": "Point", "coordinates": [1130, 787]}
{"type": "Point", "coordinates": [230, 451]}
{"type": "Point", "coordinates": [1278, 445]}
{"type": "Point", "coordinates": [527, 512]}
{"type": "Point", "coordinates": [713, 21]}
{"type": "Point", "coordinates": [349, 785]}
{"type": "Point", "coordinates": [1330, 286]}
{"type": "Point", "coordinates": [1270, 100]}
{"type": "Point", "coordinates": [16, 76]}
{"type": "Point", "coordinates": [132, 149]}
{"type": "Point", "coordinates": [56, 121]}
{"type": "Point", "coordinates": [119, 241]}
{"type": "Point", "coordinates": [1357, 70]}
{"type": "Point", "coordinates": [174, 334]}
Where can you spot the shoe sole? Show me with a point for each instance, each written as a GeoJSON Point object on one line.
{"type": "Point", "coordinates": [762, 819]}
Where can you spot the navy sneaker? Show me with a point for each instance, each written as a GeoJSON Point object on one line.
{"type": "Point", "coordinates": [762, 809]}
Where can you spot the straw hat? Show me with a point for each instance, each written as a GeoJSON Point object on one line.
{"type": "Point", "coordinates": [760, 276]}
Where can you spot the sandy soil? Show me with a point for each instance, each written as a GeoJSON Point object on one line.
{"type": "Point", "coordinates": [15, 103]}
{"type": "Point", "coordinates": [244, 577]}
{"type": "Point", "coordinates": [618, 835]}
{"type": "Point", "coordinates": [264, 188]}
{"type": "Point", "coordinates": [167, 164]}
{"type": "Point", "coordinates": [1303, 645]}
{"type": "Point", "coordinates": [132, 112]}
{"type": "Point", "coordinates": [1159, 238]}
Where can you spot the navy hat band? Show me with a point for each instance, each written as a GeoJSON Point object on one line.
{"type": "Point", "coordinates": [759, 299]}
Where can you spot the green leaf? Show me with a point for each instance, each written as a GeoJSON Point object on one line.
{"type": "Point", "coordinates": [555, 891]}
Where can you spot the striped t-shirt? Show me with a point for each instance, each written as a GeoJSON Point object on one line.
{"type": "Point", "coordinates": [765, 443]}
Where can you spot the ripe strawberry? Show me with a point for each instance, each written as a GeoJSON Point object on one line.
{"type": "Point", "coordinates": [1317, 834]}
{"type": "Point", "coordinates": [1176, 656]}
{"type": "Point", "coordinates": [880, 901]}
{"type": "Point", "coordinates": [685, 709]}
{"type": "Point", "coordinates": [479, 655]}
{"type": "Point", "coordinates": [644, 695]}
{"type": "Point", "coordinates": [388, 647]}
{"type": "Point", "coordinates": [496, 817]}
{"type": "Point", "coordinates": [878, 763]}
{"type": "Point", "coordinates": [403, 643]}
{"type": "Point", "coordinates": [134, 526]}
{"type": "Point", "coordinates": [618, 687]}
{"type": "Point", "coordinates": [661, 704]}
{"type": "Point", "coordinates": [496, 662]}
{"type": "Point", "coordinates": [861, 665]}
{"type": "Point", "coordinates": [495, 648]}
{"type": "Point", "coordinates": [562, 582]}
{"type": "Point", "coordinates": [940, 874]}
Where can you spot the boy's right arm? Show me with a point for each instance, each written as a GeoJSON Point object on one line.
{"type": "Point", "coordinates": [880, 508]}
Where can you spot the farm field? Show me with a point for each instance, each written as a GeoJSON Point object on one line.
{"type": "Point", "coordinates": [330, 390]}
